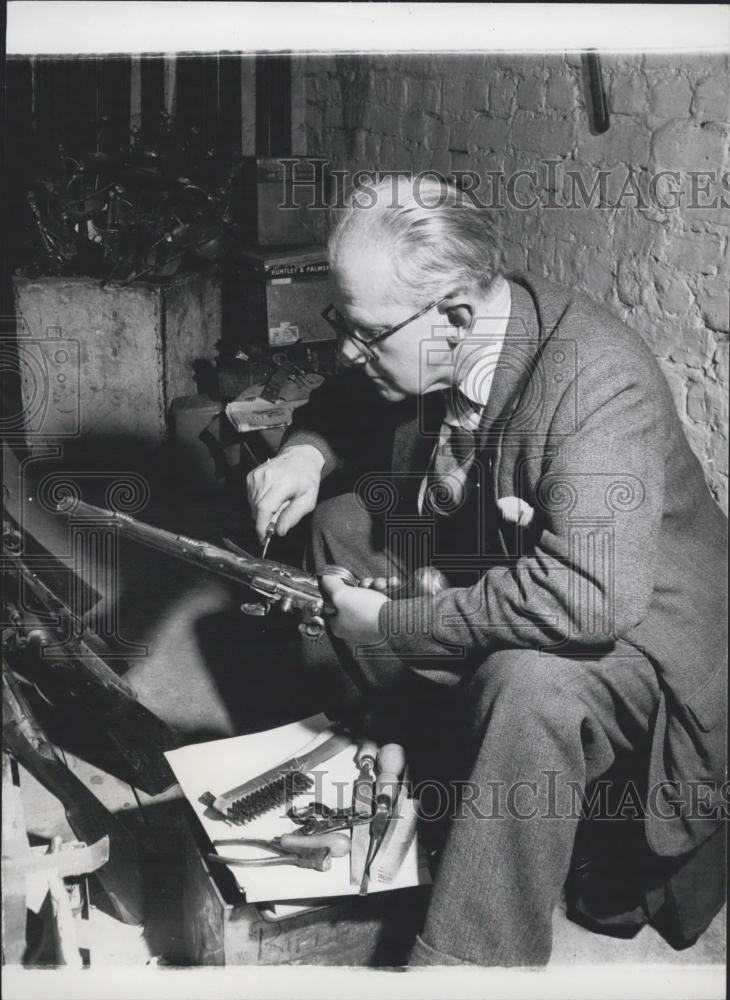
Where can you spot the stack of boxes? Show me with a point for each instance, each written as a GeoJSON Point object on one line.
{"type": "Point", "coordinates": [274, 292]}
{"type": "Point", "coordinates": [280, 283]}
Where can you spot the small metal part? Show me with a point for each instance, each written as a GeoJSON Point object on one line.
{"type": "Point", "coordinates": [344, 574]}
{"type": "Point", "coordinates": [271, 528]}
{"type": "Point", "coordinates": [254, 609]}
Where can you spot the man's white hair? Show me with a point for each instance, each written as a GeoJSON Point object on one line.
{"type": "Point", "coordinates": [437, 239]}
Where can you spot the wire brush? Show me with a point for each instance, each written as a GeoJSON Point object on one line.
{"type": "Point", "coordinates": [276, 787]}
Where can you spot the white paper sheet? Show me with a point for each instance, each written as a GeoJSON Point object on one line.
{"type": "Point", "coordinates": [220, 765]}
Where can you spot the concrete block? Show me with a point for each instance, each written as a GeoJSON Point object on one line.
{"type": "Point", "coordinates": [476, 96]}
{"type": "Point", "coordinates": [438, 135]}
{"type": "Point", "coordinates": [382, 87]}
{"type": "Point", "coordinates": [372, 148]}
{"type": "Point", "coordinates": [599, 279]}
{"type": "Point", "coordinates": [560, 93]}
{"type": "Point", "coordinates": [514, 256]}
{"type": "Point", "coordinates": [312, 90]}
{"type": "Point", "coordinates": [688, 146]}
{"type": "Point", "coordinates": [696, 401]}
{"type": "Point", "coordinates": [628, 285]}
{"type": "Point", "coordinates": [413, 125]}
{"type": "Point", "coordinates": [711, 99]}
{"type": "Point", "coordinates": [674, 293]}
{"type": "Point", "coordinates": [462, 161]}
{"type": "Point", "coordinates": [399, 91]}
{"type": "Point", "coordinates": [441, 162]}
{"type": "Point", "coordinates": [549, 138]}
{"type": "Point", "coordinates": [531, 93]}
{"type": "Point", "coordinates": [452, 97]}
{"type": "Point", "coordinates": [490, 133]}
{"type": "Point", "coordinates": [626, 141]}
{"type": "Point", "coordinates": [431, 98]}
{"type": "Point", "coordinates": [713, 299]}
{"type": "Point", "coordinates": [689, 343]}
{"type": "Point", "coordinates": [502, 90]}
{"type": "Point", "coordinates": [459, 139]}
{"type": "Point", "coordinates": [591, 227]}
{"type": "Point", "coordinates": [628, 94]}
{"type": "Point", "coordinates": [109, 361]}
{"type": "Point", "coordinates": [332, 114]}
{"type": "Point", "coordinates": [386, 154]}
{"type": "Point", "coordinates": [670, 98]}
{"type": "Point", "coordinates": [693, 254]}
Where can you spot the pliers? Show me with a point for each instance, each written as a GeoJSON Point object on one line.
{"type": "Point", "coordinates": [318, 819]}
{"type": "Point", "coordinates": [298, 849]}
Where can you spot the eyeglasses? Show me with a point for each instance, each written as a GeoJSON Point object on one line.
{"type": "Point", "coordinates": [339, 325]}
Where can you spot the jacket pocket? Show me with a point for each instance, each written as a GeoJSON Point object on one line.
{"type": "Point", "coordinates": [707, 704]}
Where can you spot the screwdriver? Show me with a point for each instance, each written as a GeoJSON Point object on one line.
{"type": "Point", "coordinates": [362, 805]}
{"type": "Point", "coordinates": [391, 762]}
{"type": "Point", "coordinates": [362, 790]}
{"type": "Point", "coordinates": [271, 527]}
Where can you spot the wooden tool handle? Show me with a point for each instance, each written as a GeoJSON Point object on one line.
{"type": "Point", "coordinates": [391, 763]}
{"type": "Point", "coordinates": [338, 844]}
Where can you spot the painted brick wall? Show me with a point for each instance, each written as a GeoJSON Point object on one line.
{"type": "Point", "coordinates": [654, 247]}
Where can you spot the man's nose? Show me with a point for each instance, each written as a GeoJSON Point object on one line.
{"type": "Point", "coordinates": [349, 352]}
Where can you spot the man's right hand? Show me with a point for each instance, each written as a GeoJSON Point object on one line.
{"type": "Point", "coordinates": [294, 476]}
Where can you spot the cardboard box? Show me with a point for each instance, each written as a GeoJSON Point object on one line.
{"type": "Point", "coordinates": [281, 295]}
{"type": "Point", "coordinates": [278, 205]}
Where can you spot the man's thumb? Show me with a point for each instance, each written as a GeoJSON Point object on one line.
{"type": "Point", "coordinates": [331, 585]}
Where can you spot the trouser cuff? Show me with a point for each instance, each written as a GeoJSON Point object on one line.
{"type": "Point", "coordinates": [424, 954]}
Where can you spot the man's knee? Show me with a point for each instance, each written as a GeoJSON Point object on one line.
{"type": "Point", "coordinates": [341, 516]}
{"type": "Point", "coordinates": [528, 683]}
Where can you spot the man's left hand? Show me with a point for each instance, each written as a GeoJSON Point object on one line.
{"type": "Point", "coordinates": [357, 611]}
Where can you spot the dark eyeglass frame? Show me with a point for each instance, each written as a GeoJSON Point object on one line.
{"type": "Point", "coordinates": [337, 322]}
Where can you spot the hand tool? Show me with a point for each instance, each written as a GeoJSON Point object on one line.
{"type": "Point", "coordinates": [362, 803]}
{"type": "Point", "coordinates": [276, 786]}
{"type": "Point", "coordinates": [391, 762]}
{"type": "Point", "coordinates": [338, 844]}
{"type": "Point", "coordinates": [271, 527]}
{"type": "Point", "coordinates": [319, 859]}
{"type": "Point", "coordinates": [317, 818]}
{"type": "Point", "coordinates": [397, 840]}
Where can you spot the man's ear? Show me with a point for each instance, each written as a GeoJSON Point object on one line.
{"type": "Point", "coordinates": [460, 315]}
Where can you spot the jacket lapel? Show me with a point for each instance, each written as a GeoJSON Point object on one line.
{"type": "Point", "coordinates": [515, 363]}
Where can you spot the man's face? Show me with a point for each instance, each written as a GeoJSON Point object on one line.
{"type": "Point", "coordinates": [363, 298]}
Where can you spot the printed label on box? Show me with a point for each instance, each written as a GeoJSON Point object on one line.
{"type": "Point", "coordinates": [314, 269]}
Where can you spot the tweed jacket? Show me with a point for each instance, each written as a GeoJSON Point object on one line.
{"type": "Point", "coordinates": [625, 550]}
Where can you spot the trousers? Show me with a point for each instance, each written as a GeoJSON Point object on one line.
{"type": "Point", "coordinates": [520, 740]}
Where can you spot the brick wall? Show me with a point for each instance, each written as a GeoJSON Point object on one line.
{"type": "Point", "coordinates": [647, 244]}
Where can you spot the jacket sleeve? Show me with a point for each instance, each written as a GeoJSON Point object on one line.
{"type": "Point", "coordinates": [338, 420]}
{"type": "Point", "coordinates": [588, 578]}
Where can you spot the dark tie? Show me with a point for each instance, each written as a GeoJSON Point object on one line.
{"type": "Point", "coordinates": [453, 458]}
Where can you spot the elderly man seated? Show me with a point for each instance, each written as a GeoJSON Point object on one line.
{"type": "Point", "coordinates": [518, 445]}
